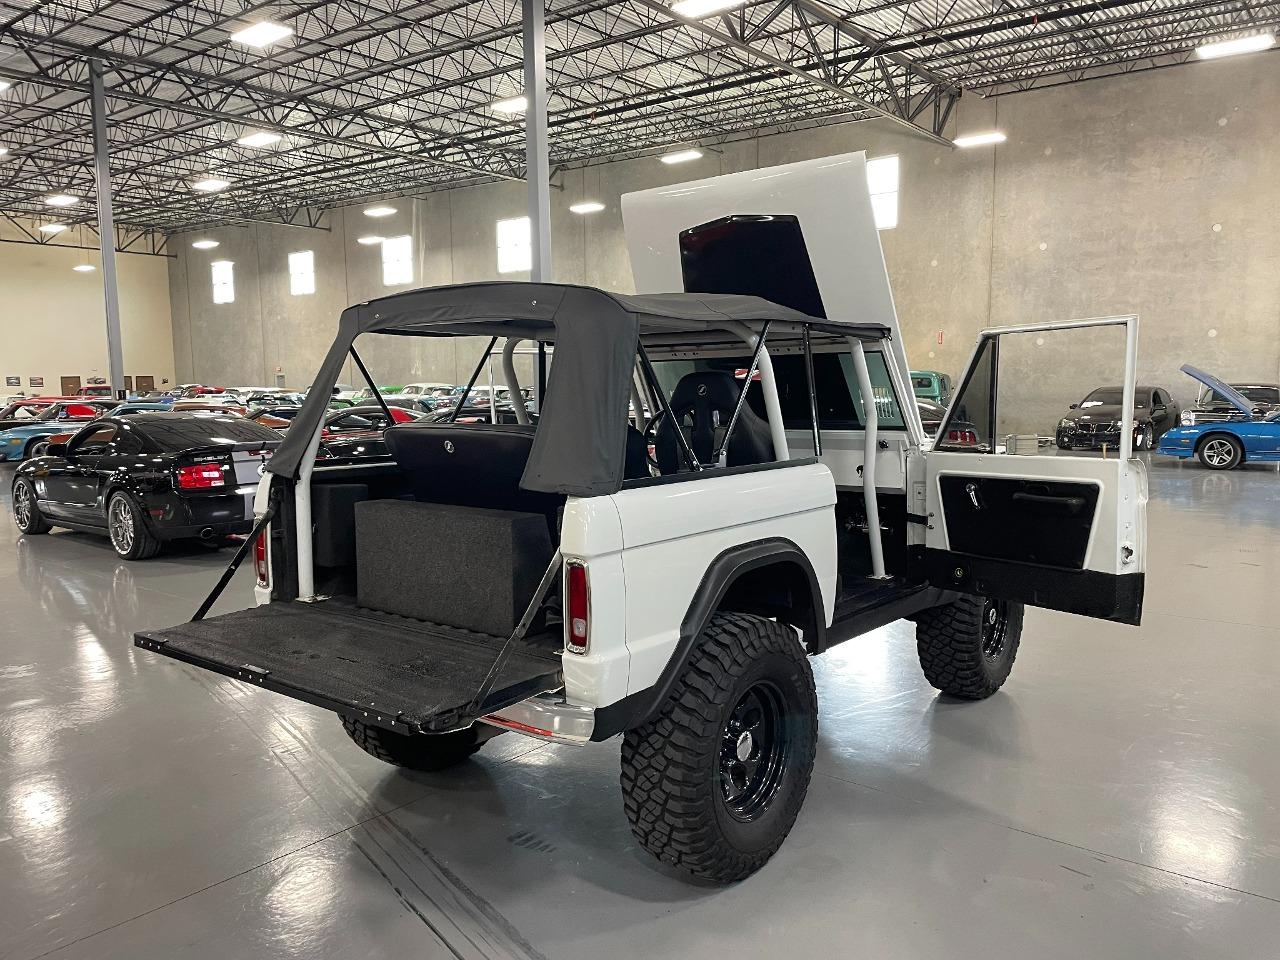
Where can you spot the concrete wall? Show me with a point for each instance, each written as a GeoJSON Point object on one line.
{"type": "Point", "coordinates": [1153, 194]}
{"type": "Point", "coordinates": [53, 319]}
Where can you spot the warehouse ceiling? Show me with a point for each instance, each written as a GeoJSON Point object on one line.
{"type": "Point", "coordinates": [378, 97]}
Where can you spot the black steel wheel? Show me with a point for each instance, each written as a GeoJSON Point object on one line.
{"type": "Point", "coordinates": [967, 648]}
{"type": "Point", "coordinates": [713, 783]}
{"type": "Point", "coordinates": [26, 512]}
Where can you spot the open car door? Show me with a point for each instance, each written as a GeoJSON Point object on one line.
{"type": "Point", "coordinates": [1063, 532]}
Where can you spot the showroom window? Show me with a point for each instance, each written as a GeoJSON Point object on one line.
{"type": "Point", "coordinates": [882, 182]}
{"type": "Point", "coordinates": [397, 260]}
{"type": "Point", "coordinates": [514, 252]}
{"type": "Point", "coordinates": [224, 281]}
{"type": "Point", "coordinates": [302, 273]}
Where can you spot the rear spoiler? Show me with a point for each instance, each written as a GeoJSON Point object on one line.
{"type": "Point", "coordinates": [245, 447]}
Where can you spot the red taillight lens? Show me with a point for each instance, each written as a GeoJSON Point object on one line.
{"type": "Point", "coordinates": [577, 604]}
{"type": "Point", "coordinates": [260, 558]}
{"type": "Point", "coordinates": [965, 438]}
{"type": "Point", "coordinates": [201, 476]}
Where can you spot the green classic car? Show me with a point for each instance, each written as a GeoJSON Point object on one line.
{"type": "Point", "coordinates": [931, 385]}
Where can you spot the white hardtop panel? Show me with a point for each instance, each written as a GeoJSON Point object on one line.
{"type": "Point", "coordinates": [829, 198]}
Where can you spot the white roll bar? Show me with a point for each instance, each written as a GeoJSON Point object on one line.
{"type": "Point", "coordinates": [769, 386]}
{"type": "Point", "coordinates": [870, 445]}
{"type": "Point", "coordinates": [513, 383]}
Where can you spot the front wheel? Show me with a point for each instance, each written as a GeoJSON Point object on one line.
{"type": "Point", "coordinates": [713, 784]}
{"type": "Point", "coordinates": [1142, 437]}
{"type": "Point", "coordinates": [26, 513]}
{"type": "Point", "coordinates": [1221, 453]}
{"type": "Point", "coordinates": [967, 647]}
{"type": "Point", "coordinates": [130, 537]}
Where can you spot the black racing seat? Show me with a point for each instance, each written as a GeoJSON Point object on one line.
{"type": "Point", "coordinates": [635, 465]}
{"type": "Point", "coordinates": [469, 465]}
{"type": "Point", "coordinates": [702, 404]}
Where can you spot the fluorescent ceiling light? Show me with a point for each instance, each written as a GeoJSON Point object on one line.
{"type": "Point", "coordinates": [3, 151]}
{"type": "Point", "coordinates": [262, 34]}
{"type": "Point", "coordinates": [980, 139]}
{"type": "Point", "coordinates": [510, 105]}
{"type": "Point", "coordinates": [83, 268]}
{"type": "Point", "coordinates": [211, 185]}
{"type": "Point", "coordinates": [61, 200]}
{"type": "Point", "coordinates": [5, 84]}
{"type": "Point", "coordinates": [586, 206]}
{"type": "Point", "coordinates": [369, 241]}
{"type": "Point", "coordinates": [682, 156]}
{"type": "Point", "coordinates": [1229, 48]}
{"type": "Point", "coordinates": [379, 211]}
{"type": "Point", "coordinates": [261, 138]}
{"type": "Point", "coordinates": [54, 228]}
{"type": "Point", "coordinates": [696, 9]}
{"type": "Point", "coordinates": [205, 244]}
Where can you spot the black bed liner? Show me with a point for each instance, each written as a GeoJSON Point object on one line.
{"type": "Point", "coordinates": [403, 674]}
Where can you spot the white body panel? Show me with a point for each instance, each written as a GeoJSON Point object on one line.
{"type": "Point", "coordinates": [1118, 540]}
{"type": "Point", "coordinates": [647, 550]}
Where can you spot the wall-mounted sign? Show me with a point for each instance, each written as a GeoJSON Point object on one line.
{"type": "Point", "coordinates": [35, 381]}
{"type": "Point", "coordinates": [13, 381]}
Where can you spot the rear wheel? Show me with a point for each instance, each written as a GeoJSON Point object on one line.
{"type": "Point", "coordinates": [413, 751]}
{"type": "Point", "coordinates": [26, 514]}
{"type": "Point", "coordinates": [967, 647]}
{"type": "Point", "coordinates": [713, 784]}
{"type": "Point", "coordinates": [130, 536]}
{"type": "Point", "coordinates": [36, 448]}
{"type": "Point", "coordinates": [1142, 437]}
{"type": "Point", "coordinates": [1221, 452]}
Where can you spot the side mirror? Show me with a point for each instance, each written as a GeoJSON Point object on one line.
{"type": "Point", "coordinates": [55, 450]}
{"type": "Point", "coordinates": [1073, 406]}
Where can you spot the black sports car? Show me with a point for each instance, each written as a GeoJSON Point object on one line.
{"type": "Point", "coordinates": [1095, 420]}
{"type": "Point", "coordinates": [147, 478]}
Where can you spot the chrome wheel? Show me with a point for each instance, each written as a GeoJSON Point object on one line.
{"type": "Point", "coordinates": [753, 751]}
{"type": "Point", "coordinates": [22, 505]}
{"type": "Point", "coordinates": [1219, 453]}
{"type": "Point", "coordinates": [120, 523]}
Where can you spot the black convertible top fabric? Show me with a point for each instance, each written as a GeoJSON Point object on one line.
{"type": "Point", "coordinates": [580, 444]}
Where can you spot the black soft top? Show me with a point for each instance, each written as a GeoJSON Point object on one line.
{"type": "Point", "coordinates": [579, 446]}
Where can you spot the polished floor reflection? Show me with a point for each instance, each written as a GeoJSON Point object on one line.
{"type": "Point", "coordinates": [1119, 798]}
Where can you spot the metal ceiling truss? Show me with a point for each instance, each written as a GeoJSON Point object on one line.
{"type": "Point", "coordinates": [128, 239]}
{"type": "Point", "coordinates": [392, 97]}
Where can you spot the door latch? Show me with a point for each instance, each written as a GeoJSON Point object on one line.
{"type": "Point", "coordinates": [971, 489]}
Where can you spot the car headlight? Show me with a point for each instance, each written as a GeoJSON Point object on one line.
{"type": "Point", "coordinates": [1065, 424]}
{"type": "Point", "coordinates": [1188, 418]}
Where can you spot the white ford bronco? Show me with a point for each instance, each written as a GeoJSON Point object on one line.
{"type": "Point", "coordinates": [710, 486]}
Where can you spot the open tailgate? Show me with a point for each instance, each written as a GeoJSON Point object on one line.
{"type": "Point", "coordinates": [403, 674]}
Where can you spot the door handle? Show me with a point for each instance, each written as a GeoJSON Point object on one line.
{"type": "Point", "coordinates": [1047, 503]}
{"type": "Point", "coordinates": [971, 489]}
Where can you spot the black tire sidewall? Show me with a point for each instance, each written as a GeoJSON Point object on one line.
{"type": "Point", "coordinates": [789, 676]}
{"type": "Point", "coordinates": [143, 546]}
{"type": "Point", "coordinates": [1235, 446]}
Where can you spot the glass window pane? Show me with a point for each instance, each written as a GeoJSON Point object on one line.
{"type": "Point", "coordinates": [397, 260]}
{"type": "Point", "coordinates": [302, 273]}
{"type": "Point", "coordinates": [222, 273]}
{"type": "Point", "coordinates": [969, 423]}
{"type": "Point", "coordinates": [514, 253]}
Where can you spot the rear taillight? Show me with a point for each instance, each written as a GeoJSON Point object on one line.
{"type": "Point", "coordinates": [577, 605]}
{"type": "Point", "coordinates": [260, 558]}
{"type": "Point", "coordinates": [201, 476]}
{"type": "Point", "coordinates": [964, 438]}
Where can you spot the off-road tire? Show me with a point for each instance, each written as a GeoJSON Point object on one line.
{"type": "Point", "coordinates": [950, 642]}
{"type": "Point", "coordinates": [29, 519]}
{"type": "Point", "coordinates": [141, 544]}
{"type": "Point", "coordinates": [429, 752]}
{"type": "Point", "coordinates": [673, 767]}
{"type": "Point", "coordinates": [1205, 453]}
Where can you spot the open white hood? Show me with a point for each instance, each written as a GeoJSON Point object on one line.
{"type": "Point", "coordinates": [837, 239]}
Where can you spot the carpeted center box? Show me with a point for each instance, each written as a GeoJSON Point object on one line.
{"type": "Point", "coordinates": [465, 567]}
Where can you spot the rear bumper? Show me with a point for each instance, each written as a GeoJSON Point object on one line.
{"type": "Point", "coordinates": [175, 517]}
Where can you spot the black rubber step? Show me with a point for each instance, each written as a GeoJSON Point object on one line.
{"type": "Point", "coordinates": [403, 674]}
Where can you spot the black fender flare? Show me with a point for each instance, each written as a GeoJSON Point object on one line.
{"type": "Point", "coordinates": [639, 707]}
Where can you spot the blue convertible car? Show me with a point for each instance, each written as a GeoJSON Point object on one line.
{"type": "Point", "coordinates": [1252, 435]}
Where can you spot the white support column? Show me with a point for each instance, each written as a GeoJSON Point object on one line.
{"type": "Point", "coordinates": [106, 227]}
{"type": "Point", "coordinates": [537, 164]}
